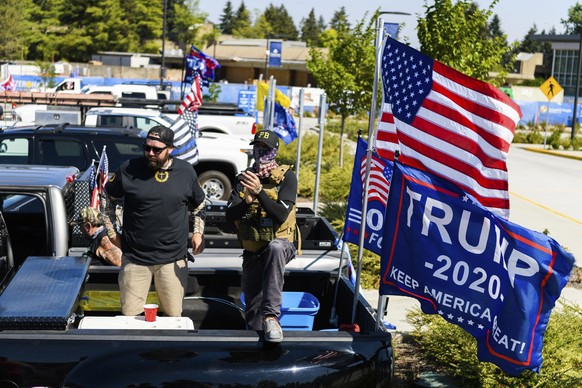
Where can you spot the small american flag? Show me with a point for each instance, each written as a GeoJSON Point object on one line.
{"type": "Point", "coordinates": [379, 182]}
{"type": "Point", "coordinates": [377, 199]}
{"type": "Point", "coordinates": [193, 100]}
{"type": "Point", "coordinates": [447, 123]}
{"type": "Point", "coordinates": [98, 179]}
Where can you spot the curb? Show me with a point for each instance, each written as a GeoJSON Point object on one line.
{"type": "Point", "coordinates": [554, 153]}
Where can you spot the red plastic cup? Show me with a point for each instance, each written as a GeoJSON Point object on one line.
{"type": "Point", "coordinates": [151, 310]}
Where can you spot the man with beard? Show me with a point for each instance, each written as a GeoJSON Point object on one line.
{"type": "Point", "coordinates": [262, 207]}
{"type": "Point", "coordinates": [157, 191]}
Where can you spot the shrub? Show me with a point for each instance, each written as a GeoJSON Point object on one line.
{"type": "Point", "coordinates": [534, 137]}
{"type": "Point", "coordinates": [456, 351]}
{"type": "Point", "coordinates": [555, 139]}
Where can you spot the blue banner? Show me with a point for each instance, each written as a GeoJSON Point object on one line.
{"type": "Point", "coordinates": [378, 187]}
{"type": "Point", "coordinates": [495, 279]}
{"type": "Point", "coordinates": [556, 113]}
{"type": "Point", "coordinates": [275, 52]}
{"type": "Point", "coordinates": [284, 124]}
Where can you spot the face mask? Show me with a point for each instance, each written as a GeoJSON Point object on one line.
{"type": "Point", "coordinates": [264, 155]}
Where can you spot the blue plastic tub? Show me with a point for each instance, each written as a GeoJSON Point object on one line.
{"type": "Point", "coordinates": [298, 310]}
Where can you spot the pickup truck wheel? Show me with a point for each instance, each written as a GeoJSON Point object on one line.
{"type": "Point", "coordinates": [215, 184]}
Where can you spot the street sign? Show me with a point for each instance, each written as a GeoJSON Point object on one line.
{"type": "Point", "coordinates": [550, 88]}
{"type": "Point", "coordinates": [246, 100]}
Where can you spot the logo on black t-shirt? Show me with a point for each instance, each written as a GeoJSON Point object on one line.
{"type": "Point", "coordinates": [161, 176]}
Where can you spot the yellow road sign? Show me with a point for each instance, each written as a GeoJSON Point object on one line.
{"type": "Point", "coordinates": [550, 88]}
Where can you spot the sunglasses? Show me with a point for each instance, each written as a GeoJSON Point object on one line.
{"type": "Point", "coordinates": [156, 150]}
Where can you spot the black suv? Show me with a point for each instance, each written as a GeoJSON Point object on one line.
{"type": "Point", "coordinates": [69, 145]}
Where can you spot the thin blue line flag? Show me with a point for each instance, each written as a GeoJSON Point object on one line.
{"type": "Point", "coordinates": [495, 279]}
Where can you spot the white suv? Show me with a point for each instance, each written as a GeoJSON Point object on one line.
{"type": "Point", "coordinates": [222, 156]}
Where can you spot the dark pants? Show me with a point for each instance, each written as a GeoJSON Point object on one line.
{"type": "Point", "coordinates": [263, 278]}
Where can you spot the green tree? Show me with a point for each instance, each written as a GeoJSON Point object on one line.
{"type": "Point", "coordinates": [495, 30]}
{"type": "Point", "coordinates": [321, 24]}
{"type": "Point", "coordinates": [186, 25]}
{"type": "Point", "coordinates": [339, 20]}
{"type": "Point", "coordinates": [455, 36]}
{"type": "Point", "coordinates": [94, 25]}
{"type": "Point", "coordinates": [573, 23]}
{"type": "Point", "coordinates": [310, 30]}
{"type": "Point", "coordinates": [242, 21]}
{"type": "Point", "coordinates": [528, 45]}
{"type": "Point", "coordinates": [346, 71]}
{"type": "Point", "coordinates": [15, 28]}
{"type": "Point", "coordinates": [143, 20]}
{"type": "Point", "coordinates": [226, 19]}
{"type": "Point", "coordinates": [281, 22]}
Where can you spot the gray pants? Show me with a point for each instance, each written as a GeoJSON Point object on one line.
{"type": "Point", "coordinates": [262, 280]}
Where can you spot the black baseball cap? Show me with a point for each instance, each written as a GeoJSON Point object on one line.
{"type": "Point", "coordinates": [266, 137]}
{"type": "Point", "coordinates": [163, 134]}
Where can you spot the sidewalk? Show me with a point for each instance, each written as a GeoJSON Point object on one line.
{"type": "Point", "coordinates": [398, 306]}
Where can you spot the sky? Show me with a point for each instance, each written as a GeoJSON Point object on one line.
{"type": "Point", "coordinates": [517, 16]}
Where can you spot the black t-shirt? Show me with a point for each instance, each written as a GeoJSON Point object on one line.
{"type": "Point", "coordinates": [155, 213]}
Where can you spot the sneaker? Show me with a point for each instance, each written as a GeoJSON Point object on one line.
{"type": "Point", "coordinates": [272, 329]}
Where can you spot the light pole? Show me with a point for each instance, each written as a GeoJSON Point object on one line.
{"type": "Point", "coordinates": [267, 53]}
{"type": "Point", "coordinates": [576, 91]}
{"type": "Point", "coordinates": [163, 67]}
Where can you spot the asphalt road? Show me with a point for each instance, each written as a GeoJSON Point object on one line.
{"type": "Point", "coordinates": [546, 194]}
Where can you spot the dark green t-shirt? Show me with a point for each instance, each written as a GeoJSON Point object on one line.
{"type": "Point", "coordinates": [155, 212]}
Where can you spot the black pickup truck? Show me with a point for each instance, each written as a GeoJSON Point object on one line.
{"type": "Point", "coordinates": [60, 323]}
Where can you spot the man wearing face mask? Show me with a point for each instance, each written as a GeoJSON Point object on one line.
{"type": "Point", "coordinates": [157, 190]}
{"type": "Point", "coordinates": [262, 207]}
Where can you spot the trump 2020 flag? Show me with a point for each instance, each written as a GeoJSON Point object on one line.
{"type": "Point", "coordinates": [284, 124]}
{"type": "Point", "coordinates": [199, 63]}
{"type": "Point", "coordinates": [378, 187]}
{"type": "Point", "coordinates": [495, 279]}
{"type": "Point", "coordinates": [447, 123]}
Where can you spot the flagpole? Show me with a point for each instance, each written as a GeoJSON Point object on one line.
{"type": "Point", "coordinates": [333, 315]}
{"type": "Point", "coordinates": [321, 121]}
{"type": "Point", "coordinates": [98, 172]}
{"type": "Point", "coordinates": [372, 118]}
{"type": "Point", "coordinates": [298, 157]}
{"type": "Point", "coordinates": [273, 90]}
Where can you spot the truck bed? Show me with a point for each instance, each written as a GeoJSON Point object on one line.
{"type": "Point", "coordinates": [219, 350]}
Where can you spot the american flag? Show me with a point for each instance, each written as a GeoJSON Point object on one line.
{"type": "Point", "coordinates": [378, 188]}
{"type": "Point", "coordinates": [98, 178]}
{"type": "Point", "coordinates": [186, 125]}
{"type": "Point", "coordinates": [193, 100]}
{"type": "Point", "coordinates": [380, 176]}
{"type": "Point", "coordinates": [447, 123]}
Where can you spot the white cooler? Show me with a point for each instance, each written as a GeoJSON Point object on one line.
{"type": "Point", "coordinates": [139, 322]}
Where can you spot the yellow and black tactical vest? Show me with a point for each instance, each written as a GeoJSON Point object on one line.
{"type": "Point", "coordinates": [256, 229]}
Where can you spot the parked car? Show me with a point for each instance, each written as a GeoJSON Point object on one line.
{"type": "Point", "coordinates": [221, 159]}
{"type": "Point", "coordinates": [237, 125]}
